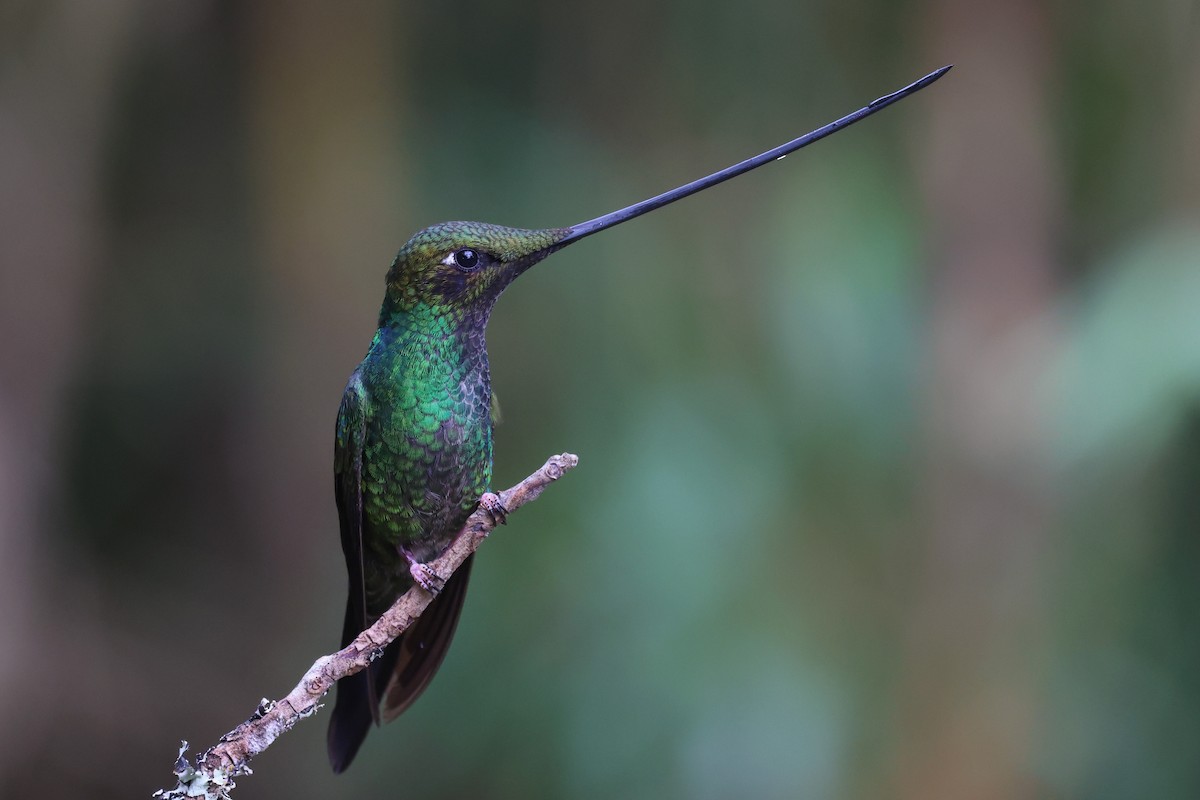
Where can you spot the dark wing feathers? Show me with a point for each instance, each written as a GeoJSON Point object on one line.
{"type": "Point", "coordinates": [347, 490]}
{"type": "Point", "coordinates": [357, 700]}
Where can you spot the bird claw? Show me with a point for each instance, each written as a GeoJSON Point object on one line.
{"type": "Point", "coordinates": [423, 574]}
{"type": "Point", "coordinates": [426, 578]}
{"type": "Point", "coordinates": [490, 502]}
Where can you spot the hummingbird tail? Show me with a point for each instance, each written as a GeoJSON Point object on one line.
{"type": "Point", "coordinates": [423, 646]}
{"type": "Point", "coordinates": [351, 720]}
{"type": "Point", "coordinates": [406, 668]}
{"type": "Point", "coordinates": [357, 703]}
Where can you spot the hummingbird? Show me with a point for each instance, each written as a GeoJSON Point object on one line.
{"type": "Point", "coordinates": [413, 442]}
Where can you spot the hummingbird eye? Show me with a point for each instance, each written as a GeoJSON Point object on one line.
{"type": "Point", "coordinates": [466, 259]}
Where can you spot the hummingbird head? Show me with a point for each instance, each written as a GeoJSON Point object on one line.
{"type": "Point", "coordinates": [463, 266]}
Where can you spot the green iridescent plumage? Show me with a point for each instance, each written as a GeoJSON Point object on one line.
{"type": "Point", "coordinates": [413, 451]}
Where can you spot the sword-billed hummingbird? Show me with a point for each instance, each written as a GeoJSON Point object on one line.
{"type": "Point", "coordinates": [413, 450]}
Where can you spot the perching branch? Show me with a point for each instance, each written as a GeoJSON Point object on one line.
{"type": "Point", "coordinates": [212, 775]}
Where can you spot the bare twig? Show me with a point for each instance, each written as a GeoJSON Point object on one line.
{"type": "Point", "coordinates": [213, 773]}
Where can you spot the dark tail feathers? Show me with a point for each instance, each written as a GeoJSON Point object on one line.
{"type": "Point", "coordinates": [423, 646]}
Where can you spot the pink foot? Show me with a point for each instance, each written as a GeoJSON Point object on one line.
{"type": "Point", "coordinates": [490, 502]}
{"type": "Point", "coordinates": [423, 574]}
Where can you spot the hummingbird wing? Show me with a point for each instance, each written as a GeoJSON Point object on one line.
{"type": "Point", "coordinates": [347, 489]}
{"type": "Point", "coordinates": [357, 698]}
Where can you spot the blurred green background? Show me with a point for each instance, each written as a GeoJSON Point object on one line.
{"type": "Point", "coordinates": [890, 479]}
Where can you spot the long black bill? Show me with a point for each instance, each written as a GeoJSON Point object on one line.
{"type": "Point", "coordinates": [583, 229]}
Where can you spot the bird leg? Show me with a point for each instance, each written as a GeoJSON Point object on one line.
{"type": "Point", "coordinates": [490, 502]}
{"type": "Point", "coordinates": [422, 574]}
